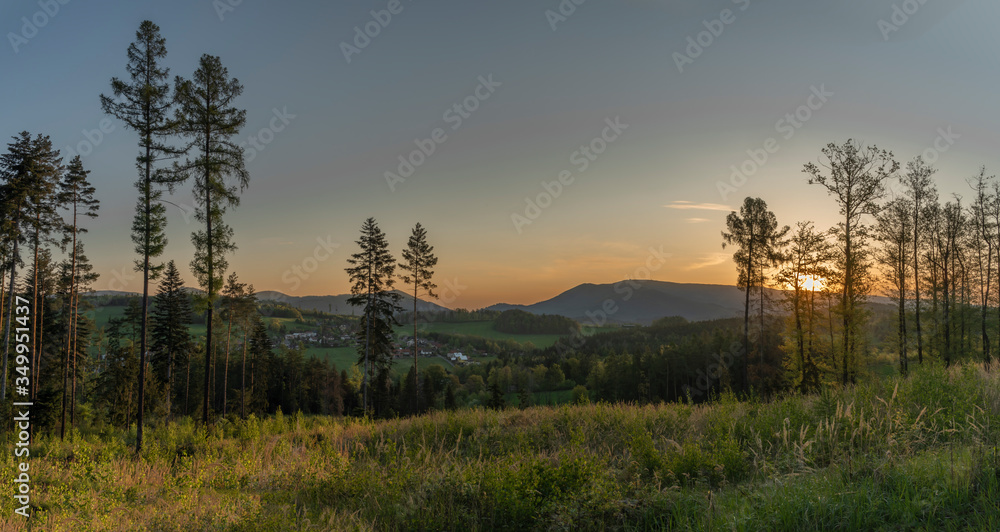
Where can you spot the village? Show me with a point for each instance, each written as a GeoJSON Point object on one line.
{"type": "Point", "coordinates": [402, 345]}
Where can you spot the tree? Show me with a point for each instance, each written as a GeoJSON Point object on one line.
{"type": "Point", "coordinates": [894, 232]}
{"type": "Point", "coordinates": [919, 183]}
{"type": "Point", "coordinates": [804, 272]}
{"type": "Point", "coordinates": [171, 341]}
{"type": "Point", "coordinates": [234, 294]}
{"type": "Point", "coordinates": [249, 317]}
{"type": "Point", "coordinates": [260, 356]}
{"type": "Point", "coordinates": [983, 215]}
{"type": "Point", "coordinates": [28, 174]}
{"type": "Point", "coordinates": [754, 231]}
{"type": "Point", "coordinates": [77, 193]}
{"type": "Point", "coordinates": [83, 276]}
{"type": "Point", "coordinates": [855, 176]}
{"type": "Point", "coordinates": [496, 401]}
{"type": "Point", "coordinates": [418, 259]}
{"type": "Point", "coordinates": [371, 272]}
{"type": "Point", "coordinates": [946, 230]}
{"type": "Point", "coordinates": [209, 121]}
{"type": "Point", "coordinates": [144, 104]}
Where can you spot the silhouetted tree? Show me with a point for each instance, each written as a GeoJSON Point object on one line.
{"type": "Point", "coordinates": [755, 233]}
{"type": "Point", "coordinates": [855, 176]}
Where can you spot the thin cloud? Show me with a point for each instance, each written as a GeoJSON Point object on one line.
{"type": "Point", "coordinates": [691, 206]}
{"type": "Point", "coordinates": [712, 259]}
{"type": "Point", "coordinates": [696, 220]}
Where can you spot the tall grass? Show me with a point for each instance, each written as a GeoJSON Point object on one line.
{"type": "Point", "coordinates": [897, 454]}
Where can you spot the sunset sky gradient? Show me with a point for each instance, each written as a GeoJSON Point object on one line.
{"type": "Point", "coordinates": [651, 197]}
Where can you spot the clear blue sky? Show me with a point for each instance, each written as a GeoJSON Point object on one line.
{"type": "Point", "coordinates": [655, 185]}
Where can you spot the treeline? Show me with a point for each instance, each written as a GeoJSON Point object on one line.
{"type": "Point", "coordinates": [517, 321]}
{"type": "Point", "coordinates": [936, 260]}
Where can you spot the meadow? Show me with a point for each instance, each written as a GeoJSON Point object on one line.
{"type": "Point", "coordinates": [916, 453]}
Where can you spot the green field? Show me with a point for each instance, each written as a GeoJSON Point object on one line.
{"type": "Point", "coordinates": [483, 329]}
{"type": "Point", "coordinates": [344, 357]}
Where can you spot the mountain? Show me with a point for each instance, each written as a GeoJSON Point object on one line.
{"type": "Point", "coordinates": [338, 304]}
{"type": "Point", "coordinates": [642, 302]}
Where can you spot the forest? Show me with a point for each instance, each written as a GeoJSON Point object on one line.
{"type": "Point", "coordinates": [934, 260]}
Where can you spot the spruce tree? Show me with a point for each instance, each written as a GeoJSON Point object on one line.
{"type": "Point", "coordinates": [171, 341]}
{"type": "Point", "coordinates": [371, 272]}
{"type": "Point", "coordinates": [210, 123]}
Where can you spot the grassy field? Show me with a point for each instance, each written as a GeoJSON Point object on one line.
{"type": "Point", "coordinates": [483, 329]}
{"type": "Point", "coordinates": [344, 357]}
{"type": "Point", "coordinates": [895, 454]}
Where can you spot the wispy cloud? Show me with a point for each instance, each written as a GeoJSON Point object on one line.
{"type": "Point", "coordinates": [696, 220]}
{"type": "Point", "coordinates": [690, 205]}
{"type": "Point", "coordinates": [712, 259]}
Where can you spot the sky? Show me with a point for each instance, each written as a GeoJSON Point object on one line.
{"type": "Point", "coordinates": [541, 143]}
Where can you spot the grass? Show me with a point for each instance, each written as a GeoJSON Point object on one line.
{"type": "Point", "coordinates": [893, 454]}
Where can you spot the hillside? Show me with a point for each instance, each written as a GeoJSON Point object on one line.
{"type": "Point", "coordinates": [899, 454]}
{"type": "Point", "coordinates": [642, 302]}
{"type": "Point", "coordinates": [338, 304]}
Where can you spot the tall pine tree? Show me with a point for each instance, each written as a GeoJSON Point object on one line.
{"type": "Point", "coordinates": [210, 122]}
{"type": "Point", "coordinates": [77, 194]}
{"type": "Point", "coordinates": [418, 261]}
{"type": "Point", "coordinates": [144, 104]}
{"type": "Point", "coordinates": [29, 171]}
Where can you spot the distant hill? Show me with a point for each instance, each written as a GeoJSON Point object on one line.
{"type": "Point", "coordinates": [642, 302]}
{"type": "Point", "coordinates": [335, 304]}
{"type": "Point", "coordinates": [106, 293]}
{"type": "Point", "coordinates": [338, 304]}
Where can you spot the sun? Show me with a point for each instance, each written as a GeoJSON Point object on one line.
{"type": "Point", "coordinates": [812, 283]}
